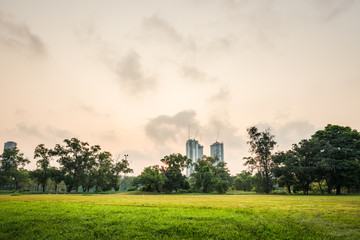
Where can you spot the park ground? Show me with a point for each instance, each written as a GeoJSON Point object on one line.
{"type": "Point", "coordinates": [186, 216]}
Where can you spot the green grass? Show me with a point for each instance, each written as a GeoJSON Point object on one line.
{"type": "Point", "coordinates": [125, 216]}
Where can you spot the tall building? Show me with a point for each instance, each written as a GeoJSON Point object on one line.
{"type": "Point", "coordinates": [194, 151]}
{"type": "Point", "coordinates": [217, 150]}
{"type": "Point", "coordinates": [8, 145]}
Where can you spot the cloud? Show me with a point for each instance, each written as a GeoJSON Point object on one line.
{"type": "Point", "coordinates": [161, 29]}
{"type": "Point", "coordinates": [225, 132]}
{"type": "Point", "coordinates": [131, 75]}
{"type": "Point", "coordinates": [29, 130]}
{"type": "Point", "coordinates": [129, 71]}
{"type": "Point", "coordinates": [49, 133]}
{"type": "Point", "coordinates": [289, 133]}
{"type": "Point", "coordinates": [222, 95]}
{"type": "Point", "coordinates": [55, 133]}
{"type": "Point", "coordinates": [332, 9]}
{"type": "Point", "coordinates": [165, 128]}
{"type": "Point", "coordinates": [88, 109]}
{"type": "Point", "coordinates": [17, 35]}
{"type": "Point", "coordinates": [195, 74]}
{"type": "Point", "coordinates": [109, 136]}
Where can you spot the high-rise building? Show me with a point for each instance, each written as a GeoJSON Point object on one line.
{"type": "Point", "coordinates": [217, 150]}
{"type": "Point", "coordinates": [194, 151]}
{"type": "Point", "coordinates": [8, 145]}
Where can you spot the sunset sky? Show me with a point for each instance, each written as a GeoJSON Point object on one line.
{"type": "Point", "coordinates": [131, 76]}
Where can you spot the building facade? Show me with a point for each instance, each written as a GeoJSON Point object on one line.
{"type": "Point", "coordinates": [8, 145]}
{"type": "Point", "coordinates": [194, 151]}
{"type": "Point", "coordinates": [217, 150]}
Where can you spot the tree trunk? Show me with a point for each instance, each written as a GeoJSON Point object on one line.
{"type": "Point", "coordinates": [43, 187]}
{"type": "Point", "coordinates": [329, 187]}
{"type": "Point", "coordinates": [55, 187]}
{"type": "Point", "coordinates": [289, 189]}
{"type": "Point", "coordinates": [16, 184]}
{"type": "Point", "coordinates": [322, 192]}
{"type": "Point", "coordinates": [338, 190]}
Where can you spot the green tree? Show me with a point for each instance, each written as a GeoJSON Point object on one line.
{"type": "Point", "coordinates": [210, 175]}
{"type": "Point", "coordinates": [36, 176]}
{"type": "Point", "coordinates": [174, 164]}
{"type": "Point", "coordinates": [243, 181]}
{"type": "Point", "coordinates": [56, 177]}
{"type": "Point", "coordinates": [284, 169]}
{"type": "Point", "coordinates": [12, 168]}
{"type": "Point", "coordinates": [340, 155]}
{"type": "Point", "coordinates": [118, 168]}
{"type": "Point", "coordinates": [43, 164]}
{"type": "Point", "coordinates": [76, 159]}
{"type": "Point", "coordinates": [151, 179]}
{"type": "Point", "coordinates": [261, 145]}
{"type": "Point", "coordinates": [307, 163]}
{"type": "Point", "coordinates": [103, 174]}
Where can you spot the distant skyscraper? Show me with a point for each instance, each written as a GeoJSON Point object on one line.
{"type": "Point", "coordinates": [8, 145]}
{"type": "Point", "coordinates": [217, 150]}
{"type": "Point", "coordinates": [194, 151]}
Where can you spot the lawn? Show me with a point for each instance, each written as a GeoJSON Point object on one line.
{"type": "Point", "coordinates": [124, 216]}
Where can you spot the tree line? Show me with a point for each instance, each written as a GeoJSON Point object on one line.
{"type": "Point", "coordinates": [328, 161]}
{"type": "Point", "coordinates": [81, 165]}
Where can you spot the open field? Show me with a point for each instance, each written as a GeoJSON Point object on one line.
{"type": "Point", "coordinates": [124, 216]}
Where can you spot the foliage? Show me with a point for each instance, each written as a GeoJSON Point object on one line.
{"type": "Point", "coordinates": [261, 145]}
{"type": "Point", "coordinates": [43, 164]}
{"type": "Point", "coordinates": [56, 176]}
{"type": "Point", "coordinates": [119, 167]}
{"type": "Point", "coordinates": [12, 168]}
{"type": "Point", "coordinates": [151, 179]}
{"type": "Point", "coordinates": [243, 181]}
{"type": "Point", "coordinates": [174, 164]}
{"type": "Point", "coordinates": [76, 159]}
{"type": "Point", "coordinates": [341, 155]}
{"type": "Point", "coordinates": [210, 175]}
{"type": "Point", "coordinates": [331, 155]}
{"type": "Point", "coordinates": [284, 169]}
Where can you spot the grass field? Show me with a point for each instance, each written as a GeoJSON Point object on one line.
{"type": "Point", "coordinates": [124, 216]}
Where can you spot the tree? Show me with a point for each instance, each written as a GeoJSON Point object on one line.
{"type": "Point", "coordinates": [151, 179]}
{"type": "Point", "coordinates": [340, 155]}
{"type": "Point", "coordinates": [56, 176]}
{"type": "Point", "coordinates": [243, 181]}
{"type": "Point", "coordinates": [261, 145]}
{"type": "Point", "coordinates": [37, 176]}
{"type": "Point", "coordinates": [43, 165]}
{"type": "Point", "coordinates": [284, 169]}
{"type": "Point", "coordinates": [76, 159]}
{"type": "Point", "coordinates": [119, 167]}
{"type": "Point", "coordinates": [174, 164]}
{"type": "Point", "coordinates": [103, 174]}
{"type": "Point", "coordinates": [13, 163]}
{"type": "Point", "coordinates": [210, 175]}
{"type": "Point", "coordinates": [306, 164]}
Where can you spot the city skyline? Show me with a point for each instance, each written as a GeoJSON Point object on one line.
{"type": "Point", "coordinates": [131, 76]}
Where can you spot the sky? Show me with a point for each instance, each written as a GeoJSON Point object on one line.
{"type": "Point", "coordinates": [131, 76]}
